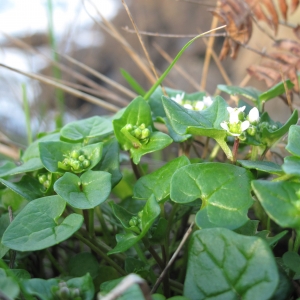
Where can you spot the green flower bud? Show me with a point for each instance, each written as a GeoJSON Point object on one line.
{"type": "Point", "coordinates": [142, 126]}
{"type": "Point", "coordinates": [145, 133]}
{"type": "Point", "coordinates": [86, 163]}
{"type": "Point", "coordinates": [251, 130]}
{"type": "Point", "coordinates": [75, 164]}
{"type": "Point", "coordinates": [49, 176]}
{"type": "Point", "coordinates": [47, 184]}
{"type": "Point", "coordinates": [81, 158]}
{"type": "Point", "coordinates": [128, 127]}
{"type": "Point", "coordinates": [66, 161]}
{"type": "Point", "coordinates": [241, 116]}
{"type": "Point", "coordinates": [133, 221]}
{"type": "Point", "coordinates": [242, 137]}
{"type": "Point", "coordinates": [137, 133]}
{"type": "Point", "coordinates": [75, 154]}
{"type": "Point", "coordinates": [74, 293]}
{"type": "Point", "coordinates": [274, 127]}
{"type": "Point", "coordinates": [42, 178]}
{"type": "Point", "coordinates": [140, 214]}
{"type": "Point", "coordinates": [64, 292]}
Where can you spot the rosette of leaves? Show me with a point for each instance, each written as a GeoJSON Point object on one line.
{"type": "Point", "coordinates": [135, 132]}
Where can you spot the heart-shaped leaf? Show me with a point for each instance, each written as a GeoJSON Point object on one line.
{"type": "Point", "coordinates": [150, 212]}
{"type": "Point", "coordinates": [224, 190]}
{"type": "Point", "coordinates": [86, 129]}
{"type": "Point", "coordinates": [291, 165]}
{"type": "Point", "coordinates": [293, 145]}
{"type": "Point", "coordinates": [158, 182]}
{"type": "Point", "coordinates": [86, 192]}
{"type": "Point", "coordinates": [54, 153]}
{"type": "Point", "coordinates": [36, 226]}
{"type": "Point", "coordinates": [225, 265]}
{"type": "Point", "coordinates": [202, 123]}
{"type": "Point", "coordinates": [280, 201]}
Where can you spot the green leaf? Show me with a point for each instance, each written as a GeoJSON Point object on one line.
{"type": "Point", "coordinates": [30, 165]}
{"type": "Point", "coordinates": [225, 265]}
{"type": "Point", "coordinates": [158, 141]}
{"type": "Point", "coordinates": [263, 166]}
{"type": "Point", "coordinates": [292, 261]}
{"type": "Point", "coordinates": [110, 161]}
{"type": "Point", "coordinates": [150, 212]}
{"type": "Point", "coordinates": [224, 190]}
{"type": "Point", "coordinates": [28, 187]}
{"type": "Point", "coordinates": [83, 263]}
{"type": "Point", "coordinates": [275, 91]}
{"type": "Point", "coordinates": [85, 286]}
{"type": "Point", "coordinates": [133, 83]}
{"type": "Point", "coordinates": [247, 92]}
{"type": "Point", "coordinates": [202, 123]}
{"type": "Point", "coordinates": [8, 286]}
{"type": "Point", "coordinates": [249, 228]}
{"type": "Point", "coordinates": [271, 240]}
{"type": "Point", "coordinates": [36, 227]}
{"type": "Point", "coordinates": [121, 214]}
{"type": "Point", "coordinates": [86, 192]}
{"type": "Point", "coordinates": [269, 137]}
{"type": "Point", "coordinates": [280, 201]}
{"type": "Point", "coordinates": [54, 152]}
{"type": "Point", "coordinates": [158, 182]}
{"type": "Point", "coordinates": [86, 129]}
{"type": "Point", "coordinates": [291, 165]}
{"type": "Point", "coordinates": [293, 145]}
{"type": "Point", "coordinates": [133, 265]}
{"type": "Point", "coordinates": [12, 199]}
{"type": "Point", "coordinates": [40, 288]}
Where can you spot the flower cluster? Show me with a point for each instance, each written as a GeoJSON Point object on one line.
{"type": "Point", "coordinates": [193, 105]}
{"type": "Point", "coordinates": [238, 124]}
{"type": "Point", "coordinates": [135, 222]}
{"type": "Point", "coordinates": [76, 161]}
{"type": "Point", "coordinates": [141, 132]}
{"type": "Point", "coordinates": [45, 179]}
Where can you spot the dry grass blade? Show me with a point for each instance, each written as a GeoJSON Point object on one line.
{"type": "Point", "coordinates": [102, 77]}
{"type": "Point", "coordinates": [67, 89]}
{"type": "Point", "coordinates": [10, 152]}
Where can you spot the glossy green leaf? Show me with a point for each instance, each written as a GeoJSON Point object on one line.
{"type": "Point", "coordinates": [86, 192]}
{"type": "Point", "coordinates": [30, 165]}
{"type": "Point", "coordinates": [247, 92]}
{"type": "Point", "coordinates": [275, 91]}
{"type": "Point", "coordinates": [291, 260]}
{"type": "Point", "coordinates": [28, 187]}
{"type": "Point", "coordinates": [8, 286]}
{"type": "Point", "coordinates": [6, 166]}
{"type": "Point", "coordinates": [249, 228]}
{"type": "Point", "coordinates": [40, 288]}
{"type": "Point", "coordinates": [271, 240]}
{"type": "Point", "coordinates": [133, 83]}
{"type": "Point", "coordinates": [293, 145]}
{"type": "Point", "coordinates": [12, 199]}
{"type": "Point", "coordinates": [158, 141]}
{"type": "Point", "coordinates": [202, 123]}
{"type": "Point", "coordinates": [291, 165]}
{"type": "Point", "coordinates": [224, 190]}
{"type": "Point", "coordinates": [88, 128]}
{"type": "Point", "coordinates": [269, 137]}
{"type": "Point", "coordinates": [225, 265]}
{"type": "Point", "coordinates": [110, 161]}
{"type": "Point", "coordinates": [121, 214]}
{"type": "Point", "coordinates": [158, 182]}
{"type": "Point", "coordinates": [54, 152]}
{"type": "Point", "coordinates": [150, 212]}
{"type": "Point", "coordinates": [36, 227]}
{"type": "Point", "coordinates": [280, 201]}
{"type": "Point", "coordinates": [263, 166]}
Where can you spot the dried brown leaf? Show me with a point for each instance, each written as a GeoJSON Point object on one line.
{"type": "Point", "coordinates": [294, 5]}
{"type": "Point", "coordinates": [288, 45]}
{"type": "Point", "coordinates": [265, 74]}
{"type": "Point", "coordinates": [283, 8]}
{"type": "Point", "coordinates": [296, 31]}
{"type": "Point", "coordinates": [273, 13]}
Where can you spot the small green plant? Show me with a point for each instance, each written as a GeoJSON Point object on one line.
{"type": "Point", "coordinates": [76, 221]}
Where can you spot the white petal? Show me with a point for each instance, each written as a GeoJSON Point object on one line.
{"type": "Point", "coordinates": [224, 125]}
{"type": "Point", "coordinates": [241, 109]}
{"type": "Point", "coordinates": [234, 117]}
{"type": "Point", "coordinates": [230, 109]}
{"type": "Point", "coordinates": [245, 125]}
{"type": "Point", "coordinates": [199, 105]}
{"type": "Point", "coordinates": [188, 106]}
{"type": "Point", "coordinates": [207, 101]}
{"type": "Point", "coordinates": [253, 116]}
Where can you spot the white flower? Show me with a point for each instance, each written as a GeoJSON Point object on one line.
{"type": "Point", "coordinates": [234, 114]}
{"type": "Point", "coordinates": [178, 98]}
{"type": "Point", "coordinates": [188, 106]}
{"type": "Point", "coordinates": [208, 101]}
{"type": "Point", "coordinates": [253, 116]}
{"type": "Point", "coordinates": [199, 105]}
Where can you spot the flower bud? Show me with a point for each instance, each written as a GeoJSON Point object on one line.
{"type": "Point", "coordinates": [145, 133]}
{"type": "Point", "coordinates": [133, 221]}
{"type": "Point", "coordinates": [86, 163]}
{"type": "Point", "coordinates": [242, 137]}
{"type": "Point", "coordinates": [49, 176]}
{"type": "Point", "coordinates": [251, 130]}
{"type": "Point", "coordinates": [42, 178]}
{"type": "Point", "coordinates": [81, 158]}
{"type": "Point", "coordinates": [47, 184]}
{"type": "Point", "coordinates": [75, 164]}
{"type": "Point", "coordinates": [253, 116]}
{"type": "Point", "coordinates": [75, 154]}
{"type": "Point", "coordinates": [138, 133]}
{"type": "Point", "coordinates": [128, 127]}
{"type": "Point", "coordinates": [142, 126]}
{"type": "Point", "coordinates": [140, 214]}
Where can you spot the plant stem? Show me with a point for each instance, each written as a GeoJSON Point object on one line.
{"type": "Point", "coordinates": [100, 253]}
{"type": "Point", "coordinates": [254, 153]}
{"type": "Point", "coordinates": [138, 172]}
{"type": "Point", "coordinates": [214, 152]}
{"type": "Point", "coordinates": [27, 114]}
{"type": "Point", "coordinates": [283, 178]}
{"type": "Point", "coordinates": [91, 223]}
{"type": "Point", "coordinates": [153, 253]}
{"type": "Point", "coordinates": [54, 262]}
{"type": "Point", "coordinates": [235, 149]}
{"type": "Point", "coordinates": [105, 230]}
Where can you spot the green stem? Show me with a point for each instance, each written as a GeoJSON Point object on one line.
{"type": "Point", "coordinates": [100, 253]}
{"type": "Point", "coordinates": [153, 253]}
{"type": "Point", "coordinates": [254, 153]}
{"type": "Point", "coordinates": [283, 178]}
{"type": "Point", "coordinates": [163, 76]}
{"type": "Point", "coordinates": [235, 149]}
{"type": "Point", "coordinates": [60, 102]}
{"type": "Point", "coordinates": [27, 114]}
{"type": "Point", "coordinates": [214, 152]}
{"type": "Point", "coordinates": [166, 285]}
{"type": "Point", "coordinates": [55, 262]}
{"type": "Point", "coordinates": [105, 230]}
{"type": "Point", "coordinates": [137, 170]}
{"type": "Point", "coordinates": [91, 223]}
